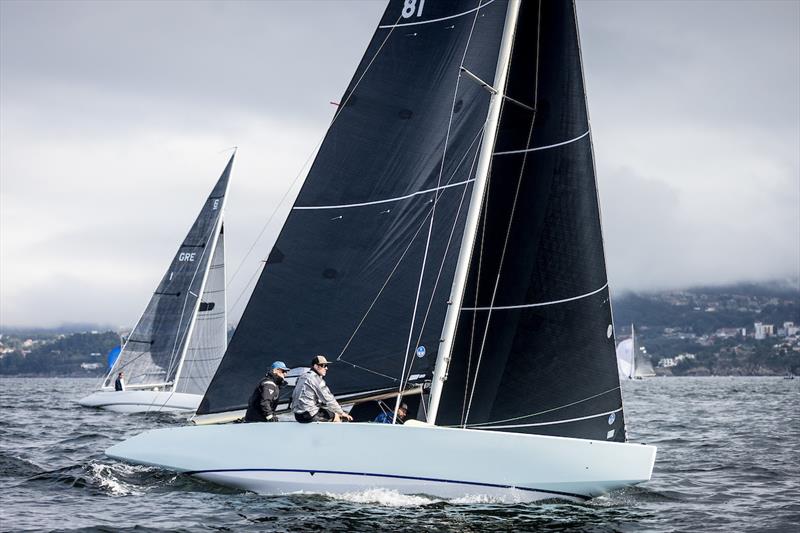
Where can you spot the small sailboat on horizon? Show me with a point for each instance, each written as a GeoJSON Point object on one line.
{"type": "Point", "coordinates": [446, 246]}
{"type": "Point", "coordinates": [171, 354]}
{"type": "Point", "coordinates": [632, 359]}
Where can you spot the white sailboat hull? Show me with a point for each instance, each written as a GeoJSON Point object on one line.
{"type": "Point", "coordinates": [141, 401]}
{"type": "Point", "coordinates": [280, 458]}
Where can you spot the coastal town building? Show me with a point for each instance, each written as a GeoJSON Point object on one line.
{"type": "Point", "coordinates": [762, 331]}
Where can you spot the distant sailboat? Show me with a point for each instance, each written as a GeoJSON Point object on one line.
{"type": "Point", "coordinates": [169, 358]}
{"type": "Point", "coordinates": [632, 359]}
{"type": "Point", "coordinates": [446, 246]}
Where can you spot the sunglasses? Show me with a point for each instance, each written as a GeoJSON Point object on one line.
{"type": "Point", "coordinates": [324, 365]}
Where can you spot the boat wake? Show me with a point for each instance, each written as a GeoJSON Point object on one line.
{"type": "Point", "coordinates": [393, 498]}
{"type": "Point", "coordinates": [384, 497]}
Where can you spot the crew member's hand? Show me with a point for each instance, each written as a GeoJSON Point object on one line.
{"type": "Point", "coordinates": [347, 417]}
{"type": "Point", "coordinates": [336, 417]}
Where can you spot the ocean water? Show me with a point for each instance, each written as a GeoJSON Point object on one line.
{"type": "Point", "coordinates": [728, 460]}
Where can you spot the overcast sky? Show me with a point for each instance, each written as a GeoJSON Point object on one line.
{"type": "Point", "coordinates": [116, 119]}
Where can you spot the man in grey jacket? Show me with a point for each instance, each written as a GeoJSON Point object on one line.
{"type": "Point", "coordinates": [312, 400]}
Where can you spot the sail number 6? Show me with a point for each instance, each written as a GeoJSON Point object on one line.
{"type": "Point", "coordinates": [409, 6]}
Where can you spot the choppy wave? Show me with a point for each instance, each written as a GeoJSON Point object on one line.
{"type": "Point", "coordinates": [725, 462]}
{"type": "Point", "coordinates": [16, 467]}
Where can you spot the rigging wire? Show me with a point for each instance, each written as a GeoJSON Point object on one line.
{"type": "Point", "coordinates": [338, 112]}
{"type": "Point", "coordinates": [402, 256]}
{"type": "Point", "coordinates": [444, 258]}
{"type": "Point", "coordinates": [485, 208]}
{"type": "Point", "coordinates": [510, 216]}
{"type": "Point", "coordinates": [436, 197]}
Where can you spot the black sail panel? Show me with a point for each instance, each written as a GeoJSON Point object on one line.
{"type": "Point", "coordinates": [381, 213]}
{"type": "Point", "coordinates": [534, 348]}
{"type": "Point", "coordinates": [151, 354]}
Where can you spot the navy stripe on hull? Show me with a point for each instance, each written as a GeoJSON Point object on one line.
{"type": "Point", "coordinates": [153, 405]}
{"type": "Point", "coordinates": [394, 476]}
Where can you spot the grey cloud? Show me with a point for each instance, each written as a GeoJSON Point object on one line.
{"type": "Point", "coordinates": [112, 115]}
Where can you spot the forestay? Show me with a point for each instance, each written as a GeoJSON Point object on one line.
{"type": "Point", "coordinates": [363, 266]}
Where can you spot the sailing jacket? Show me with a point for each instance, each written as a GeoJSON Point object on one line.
{"type": "Point", "coordinates": [311, 393]}
{"type": "Point", "coordinates": [264, 400]}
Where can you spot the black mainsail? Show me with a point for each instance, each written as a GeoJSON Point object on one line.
{"type": "Point", "coordinates": [363, 266]}
{"type": "Point", "coordinates": [153, 355]}
{"type": "Point", "coordinates": [368, 261]}
{"type": "Point", "coordinates": [360, 269]}
{"type": "Point", "coordinates": [534, 349]}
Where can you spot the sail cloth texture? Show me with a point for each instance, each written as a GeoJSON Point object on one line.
{"type": "Point", "coordinates": [151, 355]}
{"type": "Point", "coordinates": [209, 336]}
{"type": "Point", "coordinates": [534, 349]}
{"type": "Point", "coordinates": [626, 359]}
{"type": "Point", "coordinates": [365, 260]}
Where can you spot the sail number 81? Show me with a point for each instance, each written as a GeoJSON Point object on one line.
{"type": "Point", "coordinates": [409, 6]}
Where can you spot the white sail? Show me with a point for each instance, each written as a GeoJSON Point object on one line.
{"type": "Point", "coordinates": [209, 338]}
{"type": "Point", "coordinates": [626, 359]}
{"type": "Point", "coordinates": [643, 367]}
{"type": "Point", "coordinates": [175, 347]}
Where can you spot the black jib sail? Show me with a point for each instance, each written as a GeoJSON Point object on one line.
{"type": "Point", "coordinates": [534, 349]}
{"type": "Point", "coordinates": [153, 352]}
{"type": "Point", "coordinates": [363, 266]}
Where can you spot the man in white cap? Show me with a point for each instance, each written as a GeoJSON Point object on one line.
{"type": "Point", "coordinates": [312, 400]}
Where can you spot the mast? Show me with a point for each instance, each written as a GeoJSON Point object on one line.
{"type": "Point", "coordinates": [473, 216]}
{"type": "Point", "coordinates": [213, 249]}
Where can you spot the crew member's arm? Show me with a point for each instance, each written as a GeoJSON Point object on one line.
{"type": "Point", "coordinates": [330, 403]}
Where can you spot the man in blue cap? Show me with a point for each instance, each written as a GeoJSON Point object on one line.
{"type": "Point", "coordinates": [264, 400]}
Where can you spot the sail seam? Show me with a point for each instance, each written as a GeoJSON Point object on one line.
{"type": "Point", "coordinates": [398, 198]}
{"type": "Point", "coordinates": [537, 148]}
{"type": "Point", "coordinates": [552, 423]}
{"type": "Point", "coordinates": [546, 410]}
{"type": "Point", "coordinates": [385, 26]}
{"type": "Point", "coordinates": [540, 304]}
{"type": "Point", "coordinates": [413, 238]}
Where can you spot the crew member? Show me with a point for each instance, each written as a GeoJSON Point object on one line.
{"type": "Point", "coordinates": [264, 400]}
{"type": "Point", "coordinates": [387, 416]}
{"type": "Point", "coordinates": [119, 385]}
{"type": "Point", "coordinates": [312, 400]}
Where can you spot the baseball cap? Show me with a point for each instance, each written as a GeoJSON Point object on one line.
{"type": "Point", "coordinates": [280, 365]}
{"type": "Point", "coordinates": [319, 360]}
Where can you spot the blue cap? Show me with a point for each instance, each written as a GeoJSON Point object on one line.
{"type": "Point", "coordinates": [280, 365]}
